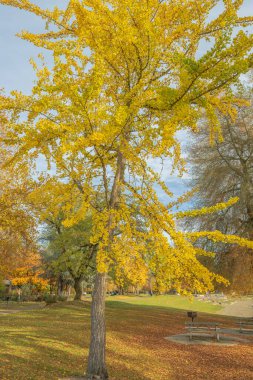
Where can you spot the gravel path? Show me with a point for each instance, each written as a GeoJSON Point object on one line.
{"type": "Point", "coordinates": [12, 307]}
{"type": "Point", "coordinates": [239, 309]}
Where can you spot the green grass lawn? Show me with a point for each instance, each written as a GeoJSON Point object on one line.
{"type": "Point", "coordinates": [168, 301]}
{"type": "Point", "coordinates": [52, 342]}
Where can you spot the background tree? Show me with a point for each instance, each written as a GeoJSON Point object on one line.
{"type": "Point", "coordinates": [68, 250]}
{"type": "Point", "coordinates": [220, 171]}
{"type": "Point", "coordinates": [30, 274]}
{"type": "Point", "coordinates": [17, 224]}
{"type": "Point", "coordinates": [126, 78]}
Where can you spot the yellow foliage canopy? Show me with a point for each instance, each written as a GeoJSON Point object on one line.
{"type": "Point", "coordinates": [127, 76]}
{"type": "Point", "coordinates": [17, 225]}
{"type": "Point", "coordinates": [29, 273]}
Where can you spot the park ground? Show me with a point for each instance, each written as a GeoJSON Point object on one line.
{"type": "Point", "coordinates": [40, 342]}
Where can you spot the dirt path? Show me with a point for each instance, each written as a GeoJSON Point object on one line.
{"type": "Point", "coordinates": [4, 312]}
{"type": "Point", "coordinates": [243, 308]}
{"type": "Point", "coordinates": [14, 308]}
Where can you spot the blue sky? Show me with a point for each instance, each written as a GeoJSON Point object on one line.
{"type": "Point", "coordinates": [15, 69]}
{"type": "Point", "coordinates": [17, 73]}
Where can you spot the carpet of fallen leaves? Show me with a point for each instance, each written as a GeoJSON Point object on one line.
{"type": "Point", "coordinates": [52, 342]}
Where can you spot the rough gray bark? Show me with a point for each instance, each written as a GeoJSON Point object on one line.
{"type": "Point", "coordinates": [96, 361]}
{"type": "Point", "coordinates": [78, 288]}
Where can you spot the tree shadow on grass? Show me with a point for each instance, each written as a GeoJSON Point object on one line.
{"type": "Point", "coordinates": [165, 311]}
{"type": "Point", "coordinates": [35, 358]}
{"type": "Point", "coordinates": [172, 309]}
{"type": "Point", "coordinates": [53, 342]}
{"type": "Point", "coordinates": [48, 344]}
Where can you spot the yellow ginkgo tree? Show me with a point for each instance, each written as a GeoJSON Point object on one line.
{"type": "Point", "coordinates": [127, 76]}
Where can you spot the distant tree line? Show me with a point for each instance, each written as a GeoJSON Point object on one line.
{"type": "Point", "coordinates": [221, 170]}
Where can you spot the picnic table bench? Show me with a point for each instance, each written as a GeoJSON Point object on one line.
{"type": "Point", "coordinates": [246, 325]}
{"type": "Point", "coordinates": [203, 329]}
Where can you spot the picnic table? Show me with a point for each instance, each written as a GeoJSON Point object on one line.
{"type": "Point", "coordinates": [246, 325]}
{"type": "Point", "coordinates": [203, 329]}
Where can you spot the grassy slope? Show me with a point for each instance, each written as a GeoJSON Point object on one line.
{"type": "Point", "coordinates": [171, 302]}
{"type": "Point", "coordinates": [52, 342]}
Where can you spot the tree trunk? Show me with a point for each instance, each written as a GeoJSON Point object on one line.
{"type": "Point", "coordinates": [60, 285]}
{"type": "Point", "coordinates": [96, 362]}
{"type": "Point", "coordinates": [78, 288]}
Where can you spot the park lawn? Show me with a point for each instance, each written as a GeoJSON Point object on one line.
{"type": "Point", "coordinates": [168, 301]}
{"type": "Point", "coordinates": [52, 342]}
